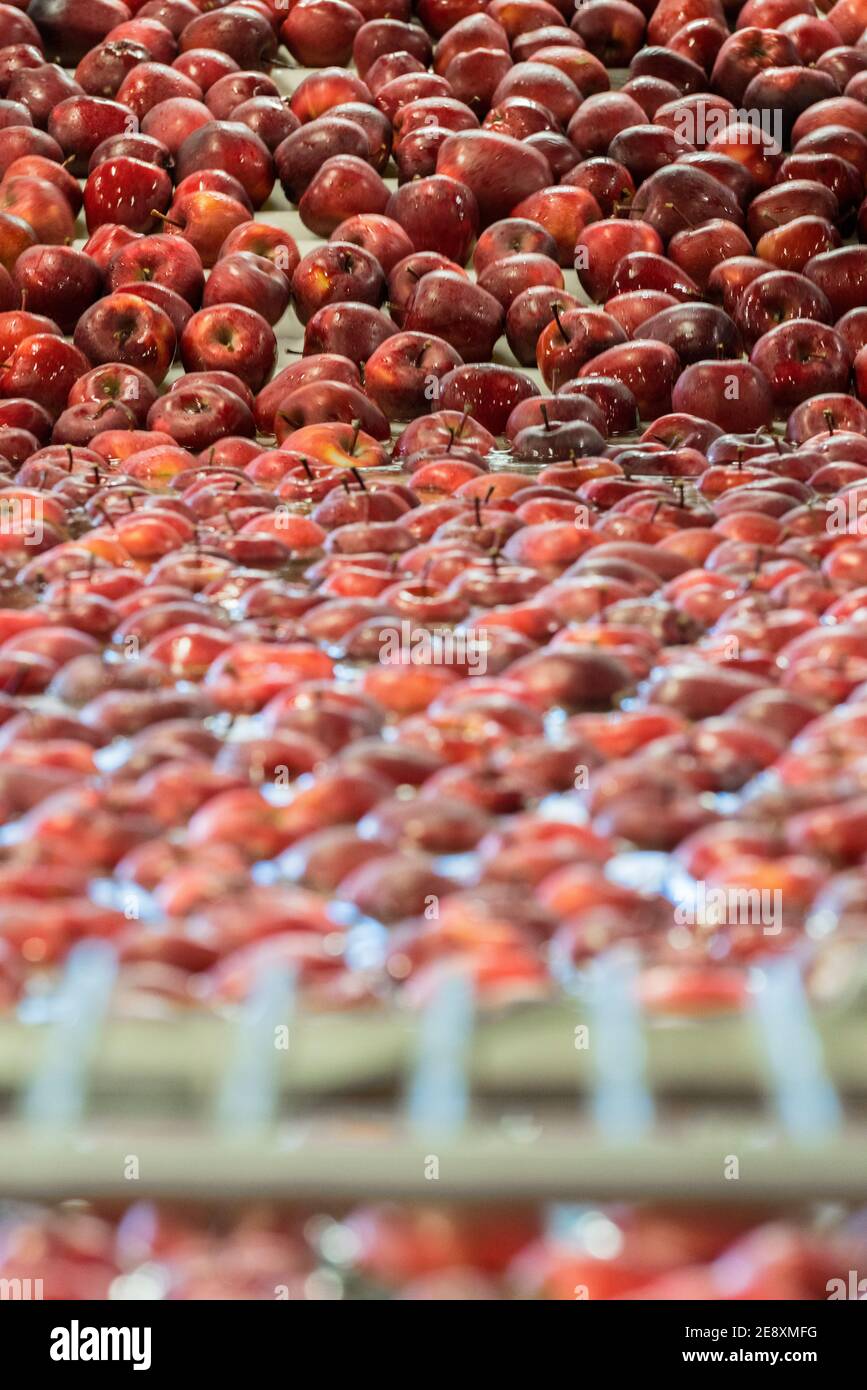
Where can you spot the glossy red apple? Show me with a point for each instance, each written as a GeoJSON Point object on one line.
{"type": "Point", "coordinates": [499, 171]}
{"type": "Point", "coordinates": [233, 338]}
{"type": "Point", "coordinates": [124, 328]}
{"type": "Point", "coordinates": [734, 395]}
{"type": "Point", "coordinates": [127, 192]}
{"type": "Point", "coordinates": [250, 280]}
{"type": "Point", "coordinates": [447, 305]}
{"type": "Point", "coordinates": [60, 279]}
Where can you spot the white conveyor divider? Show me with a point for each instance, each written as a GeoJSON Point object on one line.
{"type": "Point", "coordinates": [621, 1101]}
{"type": "Point", "coordinates": [57, 1093]}
{"type": "Point", "coordinates": [439, 1091]}
{"type": "Point", "coordinates": [249, 1095]}
{"type": "Point", "coordinates": [805, 1098]}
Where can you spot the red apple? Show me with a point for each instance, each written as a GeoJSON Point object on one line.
{"type": "Point", "coordinates": [734, 395]}
{"type": "Point", "coordinates": [247, 279]}
{"type": "Point", "coordinates": [126, 192]}
{"type": "Point", "coordinates": [342, 187]}
{"type": "Point", "coordinates": [115, 383]}
{"type": "Point", "coordinates": [69, 28]}
{"type": "Point", "coordinates": [205, 219]}
{"type": "Point", "coordinates": [124, 328]}
{"type": "Point", "coordinates": [43, 368]}
{"type": "Point", "coordinates": [334, 273]}
{"type": "Point", "coordinates": [172, 122]}
{"type": "Point", "coordinates": [58, 278]}
{"type": "Point", "coordinates": [159, 260]}
{"type": "Point", "coordinates": [499, 171]}
{"type": "Point", "coordinates": [233, 147]}
{"type": "Point", "coordinates": [448, 305]}
{"type": "Point", "coordinates": [242, 33]}
{"type": "Point", "coordinates": [403, 375]}
{"type": "Point", "coordinates": [302, 154]}
{"type": "Point", "coordinates": [233, 338]}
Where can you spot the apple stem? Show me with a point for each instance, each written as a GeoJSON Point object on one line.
{"type": "Point", "coordinates": [477, 508]}
{"type": "Point", "coordinates": [463, 422]}
{"type": "Point", "coordinates": [356, 431]}
{"type": "Point", "coordinates": [357, 474]}
{"type": "Point", "coordinates": [674, 208]}
{"type": "Point", "coordinates": [451, 435]}
{"type": "Point", "coordinates": [166, 221]}
{"type": "Point", "coordinates": [308, 470]}
{"type": "Point", "coordinates": [555, 309]}
{"type": "Point", "coordinates": [490, 492]}
{"type": "Point", "coordinates": [495, 561]}
{"type": "Point", "coordinates": [543, 411]}
{"type": "Point", "coordinates": [829, 420]}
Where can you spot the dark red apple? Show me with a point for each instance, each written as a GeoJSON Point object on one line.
{"type": "Point", "coordinates": [499, 171]}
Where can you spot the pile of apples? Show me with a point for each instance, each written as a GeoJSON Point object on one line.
{"type": "Point", "coordinates": [640, 496]}
{"type": "Point", "coordinates": [433, 1252]}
